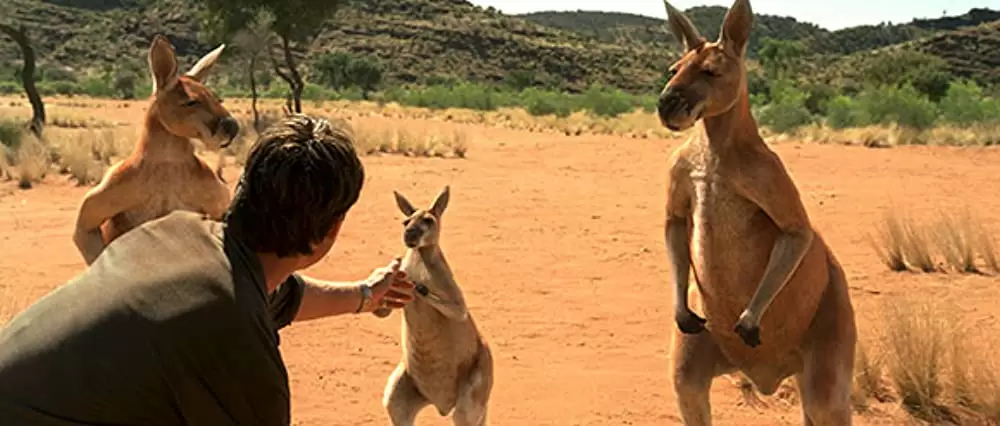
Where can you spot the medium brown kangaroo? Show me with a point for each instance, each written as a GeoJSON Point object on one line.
{"type": "Point", "coordinates": [774, 297]}
{"type": "Point", "coordinates": [163, 173]}
{"type": "Point", "coordinates": [446, 362]}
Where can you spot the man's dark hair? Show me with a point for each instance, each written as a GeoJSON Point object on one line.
{"type": "Point", "coordinates": [300, 179]}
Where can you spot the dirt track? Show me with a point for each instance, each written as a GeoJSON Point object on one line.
{"type": "Point", "coordinates": [558, 244]}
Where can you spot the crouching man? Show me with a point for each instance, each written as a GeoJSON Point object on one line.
{"type": "Point", "coordinates": [177, 321]}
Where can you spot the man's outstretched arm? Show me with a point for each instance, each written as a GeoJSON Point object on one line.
{"type": "Point", "coordinates": [302, 298]}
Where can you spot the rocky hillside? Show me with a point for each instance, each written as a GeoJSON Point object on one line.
{"type": "Point", "coordinates": [625, 28]}
{"type": "Point", "coordinates": [416, 40]}
{"type": "Point", "coordinates": [972, 52]}
{"type": "Point", "coordinates": [420, 41]}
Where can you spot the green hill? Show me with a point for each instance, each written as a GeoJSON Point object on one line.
{"type": "Point", "coordinates": [417, 41]}
{"type": "Point", "coordinates": [423, 41]}
{"type": "Point", "coordinates": [613, 27]}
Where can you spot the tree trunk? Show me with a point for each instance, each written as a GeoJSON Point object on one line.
{"type": "Point", "coordinates": [294, 78]}
{"type": "Point", "coordinates": [20, 37]}
{"type": "Point", "coordinates": [297, 97]}
{"type": "Point", "coordinates": [253, 93]}
{"type": "Point", "coordinates": [291, 77]}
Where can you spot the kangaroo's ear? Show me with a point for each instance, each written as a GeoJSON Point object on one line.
{"type": "Point", "coordinates": [162, 64]}
{"type": "Point", "coordinates": [735, 32]}
{"type": "Point", "coordinates": [204, 66]}
{"type": "Point", "coordinates": [441, 202]}
{"type": "Point", "coordinates": [684, 31]}
{"type": "Point", "coordinates": [404, 205]}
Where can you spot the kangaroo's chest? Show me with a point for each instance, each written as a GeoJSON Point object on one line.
{"type": "Point", "coordinates": [731, 237]}
{"type": "Point", "coordinates": [167, 188]}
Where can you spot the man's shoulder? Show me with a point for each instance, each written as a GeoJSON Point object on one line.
{"type": "Point", "coordinates": [179, 243]}
{"type": "Point", "coordinates": [177, 230]}
{"type": "Point", "coordinates": [184, 219]}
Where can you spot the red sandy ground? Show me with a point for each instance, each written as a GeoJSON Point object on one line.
{"type": "Point", "coordinates": [558, 244]}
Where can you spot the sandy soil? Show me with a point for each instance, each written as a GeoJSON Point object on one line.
{"type": "Point", "coordinates": [557, 242]}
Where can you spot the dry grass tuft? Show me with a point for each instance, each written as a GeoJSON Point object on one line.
{"type": "Point", "coordinates": [917, 338]}
{"type": "Point", "coordinates": [890, 240]}
{"type": "Point", "coordinates": [868, 383]}
{"type": "Point", "coordinates": [385, 137]}
{"type": "Point", "coordinates": [33, 161]}
{"type": "Point", "coordinates": [85, 154]}
{"type": "Point", "coordinates": [917, 247]}
{"type": "Point", "coordinates": [984, 391]}
{"type": "Point", "coordinates": [6, 163]}
{"type": "Point", "coordinates": [65, 122]}
{"type": "Point", "coordinates": [958, 238]}
{"type": "Point", "coordinates": [953, 234]}
{"type": "Point", "coordinates": [894, 135]}
{"type": "Point", "coordinates": [983, 244]}
{"type": "Point", "coordinates": [934, 371]}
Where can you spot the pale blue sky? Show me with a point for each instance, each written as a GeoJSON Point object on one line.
{"type": "Point", "coordinates": [829, 14]}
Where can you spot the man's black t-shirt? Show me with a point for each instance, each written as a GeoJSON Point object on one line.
{"type": "Point", "coordinates": [171, 325]}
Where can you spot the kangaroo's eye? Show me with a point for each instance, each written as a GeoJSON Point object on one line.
{"type": "Point", "coordinates": [191, 103]}
{"type": "Point", "coordinates": [709, 72]}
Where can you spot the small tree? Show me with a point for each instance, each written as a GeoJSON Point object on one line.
{"type": "Point", "coordinates": [927, 73]}
{"type": "Point", "coordinates": [520, 80]}
{"type": "Point", "coordinates": [295, 25]}
{"type": "Point", "coordinates": [779, 57]}
{"type": "Point", "coordinates": [365, 74]}
{"type": "Point", "coordinates": [341, 70]}
{"type": "Point", "coordinates": [251, 43]}
{"type": "Point", "coordinates": [27, 73]}
{"type": "Point", "coordinates": [331, 70]}
{"type": "Point", "coordinates": [125, 76]}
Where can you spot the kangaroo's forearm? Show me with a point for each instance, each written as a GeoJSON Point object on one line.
{"type": "Point", "coordinates": [451, 310]}
{"type": "Point", "coordinates": [789, 250]}
{"type": "Point", "coordinates": [89, 243]}
{"type": "Point", "coordinates": [678, 250]}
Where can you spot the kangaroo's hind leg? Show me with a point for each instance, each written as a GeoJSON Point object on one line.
{"type": "Point", "coordinates": [401, 399]}
{"type": "Point", "coordinates": [474, 393]}
{"type": "Point", "coordinates": [825, 382]}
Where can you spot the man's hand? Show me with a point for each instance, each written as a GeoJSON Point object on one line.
{"type": "Point", "coordinates": [390, 289]}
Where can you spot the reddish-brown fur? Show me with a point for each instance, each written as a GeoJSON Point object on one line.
{"type": "Point", "coordinates": [163, 173]}
{"type": "Point", "coordinates": [772, 297]}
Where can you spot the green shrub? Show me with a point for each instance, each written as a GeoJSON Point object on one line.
{"type": "Point", "coordinates": [843, 112]}
{"type": "Point", "coordinates": [314, 92]}
{"type": "Point", "coordinates": [604, 102]}
{"type": "Point", "coordinates": [97, 87]}
{"type": "Point", "coordinates": [276, 91]}
{"type": "Point", "coordinates": [902, 105]}
{"type": "Point", "coordinates": [649, 103]}
{"type": "Point", "coordinates": [965, 104]}
{"type": "Point", "coordinates": [460, 95]}
{"type": "Point", "coordinates": [64, 88]}
{"type": "Point", "coordinates": [349, 94]}
{"type": "Point", "coordinates": [9, 88]}
{"type": "Point", "coordinates": [519, 80]}
{"type": "Point", "coordinates": [787, 110]}
{"type": "Point", "coordinates": [54, 74]}
{"type": "Point", "coordinates": [926, 73]}
{"type": "Point", "coordinates": [817, 97]}
{"type": "Point", "coordinates": [539, 102]}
